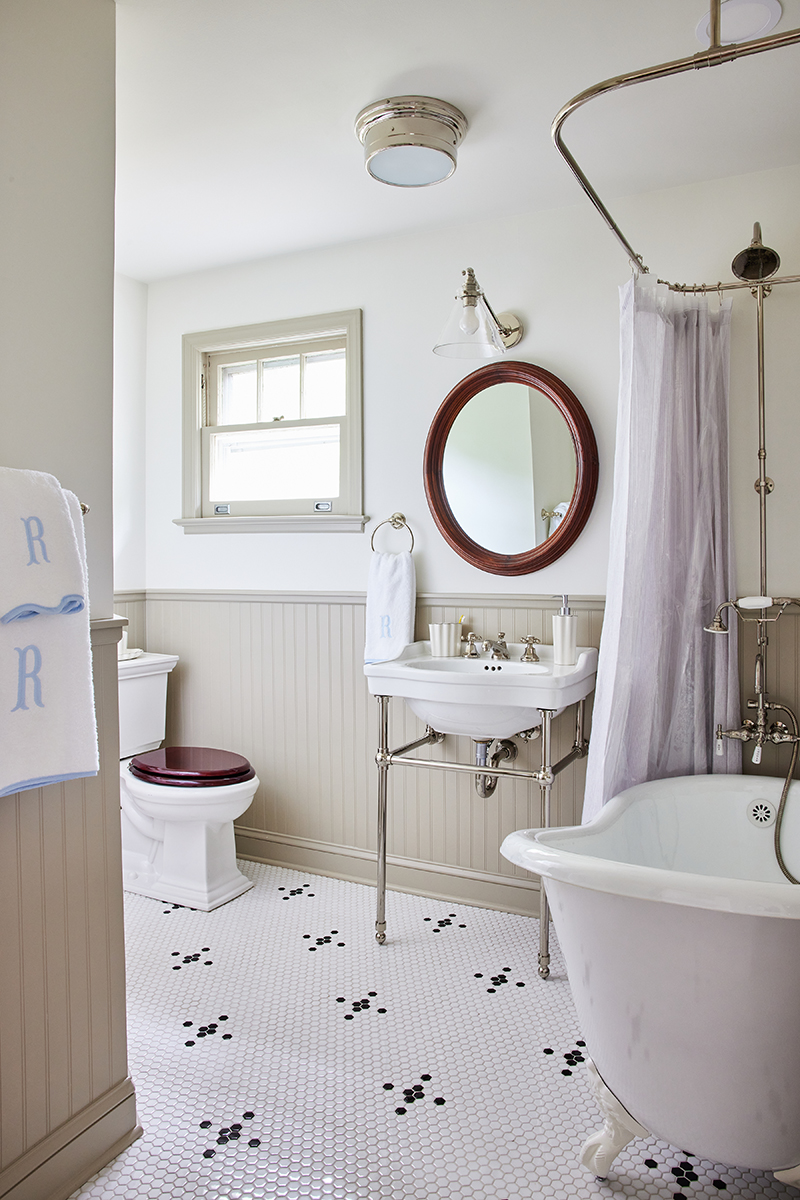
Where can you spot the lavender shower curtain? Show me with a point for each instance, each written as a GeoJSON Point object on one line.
{"type": "Point", "coordinates": [662, 682]}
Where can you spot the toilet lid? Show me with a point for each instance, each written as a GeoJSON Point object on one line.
{"type": "Point", "coordinates": [191, 766]}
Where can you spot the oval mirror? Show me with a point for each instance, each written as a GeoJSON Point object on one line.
{"type": "Point", "coordinates": [511, 468]}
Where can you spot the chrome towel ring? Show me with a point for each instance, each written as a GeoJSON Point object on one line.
{"type": "Point", "coordinates": [397, 521]}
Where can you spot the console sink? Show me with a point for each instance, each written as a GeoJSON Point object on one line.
{"type": "Point", "coordinates": [480, 697]}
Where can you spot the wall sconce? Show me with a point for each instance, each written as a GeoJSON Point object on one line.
{"type": "Point", "coordinates": [473, 330]}
{"type": "Point", "coordinates": [410, 141]}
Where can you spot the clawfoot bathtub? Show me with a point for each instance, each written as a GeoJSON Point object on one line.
{"type": "Point", "coordinates": [682, 943]}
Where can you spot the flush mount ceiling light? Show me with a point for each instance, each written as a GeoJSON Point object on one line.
{"type": "Point", "coordinates": [741, 21]}
{"type": "Point", "coordinates": [411, 141]}
{"type": "Point", "coordinates": [473, 330]}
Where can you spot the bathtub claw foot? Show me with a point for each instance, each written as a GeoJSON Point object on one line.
{"type": "Point", "coordinates": [619, 1127]}
{"type": "Point", "coordinates": [791, 1176]}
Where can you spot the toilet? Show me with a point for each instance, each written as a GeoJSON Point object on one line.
{"type": "Point", "coordinates": [178, 803]}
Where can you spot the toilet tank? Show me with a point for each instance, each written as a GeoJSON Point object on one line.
{"type": "Point", "coordinates": [143, 702]}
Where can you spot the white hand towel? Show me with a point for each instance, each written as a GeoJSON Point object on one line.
{"type": "Point", "coordinates": [559, 512]}
{"type": "Point", "coordinates": [391, 606]}
{"type": "Point", "coordinates": [47, 721]}
{"type": "Point", "coordinates": [40, 560]}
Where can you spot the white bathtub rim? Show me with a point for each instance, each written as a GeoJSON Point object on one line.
{"type": "Point", "coordinates": [528, 848]}
{"type": "Point", "coordinates": [745, 897]}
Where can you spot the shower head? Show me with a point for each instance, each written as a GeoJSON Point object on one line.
{"type": "Point", "coordinates": [757, 262]}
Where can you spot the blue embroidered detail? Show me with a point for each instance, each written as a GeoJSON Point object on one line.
{"type": "Point", "coordinates": [69, 604]}
{"type": "Point", "coordinates": [23, 785]}
{"type": "Point", "coordinates": [34, 537]}
{"type": "Point", "coordinates": [25, 675]}
{"type": "Point", "coordinates": [386, 626]}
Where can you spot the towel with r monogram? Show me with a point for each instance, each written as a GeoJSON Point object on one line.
{"type": "Point", "coordinates": [47, 723]}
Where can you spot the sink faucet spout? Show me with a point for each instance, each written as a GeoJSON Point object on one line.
{"type": "Point", "coordinates": [498, 648]}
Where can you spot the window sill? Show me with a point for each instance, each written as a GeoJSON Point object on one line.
{"type": "Point", "coordinates": [318, 523]}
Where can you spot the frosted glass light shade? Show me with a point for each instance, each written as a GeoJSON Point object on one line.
{"type": "Point", "coordinates": [411, 166]}
{"type": "Point", "coordinates": [410, 141]}
{"type": "Point", "coordinates": [455, 342]}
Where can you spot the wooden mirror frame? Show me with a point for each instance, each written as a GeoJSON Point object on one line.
{"type": "Point", "coordinates": [586, 474]}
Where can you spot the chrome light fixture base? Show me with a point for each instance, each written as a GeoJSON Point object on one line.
{"type": "Point", "coordinates": [411, 141]}
{"type": "Point", "coordinates": [510, 329]}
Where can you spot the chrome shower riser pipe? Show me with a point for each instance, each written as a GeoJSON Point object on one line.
{"type": "Point", "coordinates": [762, 484]}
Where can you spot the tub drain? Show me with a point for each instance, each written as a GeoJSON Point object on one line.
{"type": "Point", "coordinates": [761, 812]}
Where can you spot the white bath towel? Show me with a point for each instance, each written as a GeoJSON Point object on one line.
{"type": "Point", "coordinates": [41, 569]}
{"type": "Point", "coordinates": [559, 512]}
{"type": "Point", "coordinates": [391, 606]}
{"type": "Point", "coordinates": [47, 721]}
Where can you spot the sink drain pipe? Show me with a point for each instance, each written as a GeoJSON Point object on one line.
{"type": "Point", "coordinates": [485, 785]}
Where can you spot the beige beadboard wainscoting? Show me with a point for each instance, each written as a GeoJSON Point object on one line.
{"type": "Point", "coordinates": [67, 1104]}
{"type": "Point", "coordinates": [279, 678]}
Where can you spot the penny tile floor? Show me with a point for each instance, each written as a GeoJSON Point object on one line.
{"type": "Point", "coordinates": [278, 1051]}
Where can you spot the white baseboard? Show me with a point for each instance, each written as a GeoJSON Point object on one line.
{"type": "Point", "coordinates": [457, 885]}
{"type": "Point", "coordinates": [55, 1167]}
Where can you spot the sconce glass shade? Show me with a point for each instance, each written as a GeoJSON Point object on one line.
{"type": "Point", "coordinates": [410, 141]}
{"type": "Point", "coordinates": [465, 338]}
{"type": "Point", "coordinates": [473, 330]}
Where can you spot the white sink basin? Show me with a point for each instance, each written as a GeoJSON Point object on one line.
{"type": "Point", "coordinates": [482, 697]}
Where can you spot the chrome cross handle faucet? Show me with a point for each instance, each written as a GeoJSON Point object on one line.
{"type": "Point", "coordinates": [530, 654]}
{"type": "Point", "coordinates": [475, 644]}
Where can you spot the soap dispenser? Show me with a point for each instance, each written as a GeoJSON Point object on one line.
{"type": "Point", "coordinates": [565, 636]}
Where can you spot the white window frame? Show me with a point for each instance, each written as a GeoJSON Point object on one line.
{"type": "Point", "coordinates": [346, 515]}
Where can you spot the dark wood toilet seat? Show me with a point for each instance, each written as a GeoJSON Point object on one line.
{"type": "Point", "coordinates": [191, 766]}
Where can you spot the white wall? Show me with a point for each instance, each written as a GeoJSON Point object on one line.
{"type": "Point", "coordinates": [560, 271]}
{"type": "Point", "coordinates": [130, 358]}
{"type": "Point", "coordinates": [56, 253]}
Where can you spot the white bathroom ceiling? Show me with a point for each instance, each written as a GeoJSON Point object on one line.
{"type": "Point", "coordinates": [235, 117]}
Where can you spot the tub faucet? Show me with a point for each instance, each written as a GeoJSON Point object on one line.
{"type": "Point", "coordinates": [499, 649]}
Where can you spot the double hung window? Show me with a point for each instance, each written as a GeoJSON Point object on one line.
{"type": "Point", "coordinates": [273, 412]}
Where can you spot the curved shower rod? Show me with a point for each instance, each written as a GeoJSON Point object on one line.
{"type": "Point", "coordinates": [712, 57]}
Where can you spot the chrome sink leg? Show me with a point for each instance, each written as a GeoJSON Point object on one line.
{"type": "Point", "coordinates": [383, 781]}
{"type": "Point", "coordinates": [546, 788]}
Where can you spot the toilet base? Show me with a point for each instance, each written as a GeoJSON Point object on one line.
{"type": "Point", "coordinates": [137, 878]}
{"type": "Point", "coordinates": [178, 844]}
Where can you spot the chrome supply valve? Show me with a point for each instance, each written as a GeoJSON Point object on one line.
{"type": "Point", "coordinates": [475, 644]}
{"type": "Point", "coordinates": [779, 732]}
{"type": "Point", "coordinates": [745, 734]}
{"type": "Point", "coordinates": [499, 649]}
{"type": "Point", "coordinates": [530, 654]}
{"type": "Point", "coordinates": [530, 735]}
